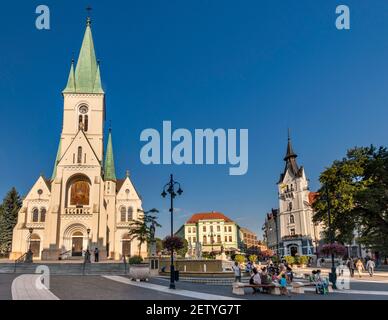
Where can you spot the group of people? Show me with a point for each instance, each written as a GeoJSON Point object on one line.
{"type": "Point", "coordinates": [360, 267]}
{"type": "Point", "coordinates": [87, 255]}
{"type": "Point", "coordinates": [321, 285]}
{"type": "Point", "coordinates": [281, 274]}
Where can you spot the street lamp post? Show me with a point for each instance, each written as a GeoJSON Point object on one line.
{"type": "Point", "coordinates": [275, 215]}
{"type": "Point", "coordinates": [31, 230]}
{"type": "Point", "coordinates": [170, 188]}
{"type": "Point", "coordinates": [333, 274]}
{"type": "Point", "coordinates": [29, 254]}
{"type": "Point", "coordinates": [88, 231]}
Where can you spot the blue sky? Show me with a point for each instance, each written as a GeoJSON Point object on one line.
{"type": "Point", "coordinates": [260, 65]}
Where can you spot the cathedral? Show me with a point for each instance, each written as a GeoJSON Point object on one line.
{"type": "Point", "coordinates": [289, 230]}
{"type": "Point", "coordinates": [83, 205]}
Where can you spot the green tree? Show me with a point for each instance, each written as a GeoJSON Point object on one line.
{"type": "Point", "coordinates": [340, 184]}
{"type": "Point", "coordinates": [357, 188]}
{"type": "Point", "coordinates": [8, 218]}
{"type": "Point", "coordinates": [372, 203]}
{"type": "Point", "coordinates": [140, 229]}
{"type": "Point", "coordinates": [182, 252]}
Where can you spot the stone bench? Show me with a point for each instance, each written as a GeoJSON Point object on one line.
{"type": "Point", "coordinates": [238, 288]}
{"type": "Point", "coordinates": [298, 287]}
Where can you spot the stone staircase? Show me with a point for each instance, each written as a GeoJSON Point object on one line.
{"type": "Point", "coordinates": [67, 268]}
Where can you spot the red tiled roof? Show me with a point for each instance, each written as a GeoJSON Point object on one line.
{"type": "Point", "coordinates": [208, 216]}
{"type": "Point", "coordinates": [312, 197]}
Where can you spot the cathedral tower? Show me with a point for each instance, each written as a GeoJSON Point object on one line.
{"type": "Point", "coordinates": [83, 205]}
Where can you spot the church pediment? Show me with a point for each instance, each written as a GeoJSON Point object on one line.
{"type": "Point", "coordinates": [79, 152]}
{"type": "Point", "coordinates": [127, 190]}
{"type": "Point", "coordinates": [39, 191]}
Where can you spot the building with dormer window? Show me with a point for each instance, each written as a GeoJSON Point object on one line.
{"type": "Point", "coordinates": [289, 230]}
{"type": "Point", "coordinates": [212, 231]}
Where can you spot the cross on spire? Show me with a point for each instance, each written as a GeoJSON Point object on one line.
{"type": "Point", "coordinates": [88, 9]}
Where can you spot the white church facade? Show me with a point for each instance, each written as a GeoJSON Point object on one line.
{"type": "Point", "coordinates": [289, 230]}
{"type": "Point", "coordinates": [83, 205]}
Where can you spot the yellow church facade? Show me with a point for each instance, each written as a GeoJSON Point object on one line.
{"type": "Point", "coordinates": [83, 205]}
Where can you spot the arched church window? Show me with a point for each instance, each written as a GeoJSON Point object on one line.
{"type": "Point", "coordinates": [122, 213]}
{"type": "Point", "coordinates": [80, 122]}
{"type": "Point", "coordinates": [79, 155]}
{"type": "Point", "coordinates": [42, 214]}
{"type": "Point", "coordinates": [79, 194]}
{"type": "Point", "coordinates": [289, 206]}
{"type": "Point", "coordinates": [35, 215]}
{"type": "Point", "coordinates": [130, 213]}
{"type": "Point", "coordinates": [292, 219]}
{"type": "Point", "coordinates": [86, 123]}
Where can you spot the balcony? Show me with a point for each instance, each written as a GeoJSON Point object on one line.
{"type": "Point", "coordinates": [293, 236]}
{"type": "Point", "coordinates": [78, 211]}
{"type": "Point", "coordinates": [287, 195]}
{"type": "Point", "coordinates": [35, 225]}
{"type": "Point", "coordinates": [124, 224]}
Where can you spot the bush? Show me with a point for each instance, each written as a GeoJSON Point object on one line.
{"type": "Point", "coordinates": [289, 259]}
{"type": "Point", "coordinates": [239, 258]}
{"type": "Point", "coordinates": [208, 255]}
{"type": "Point", "coordinates": [173, 243]}
{"type": "Point", "coordinates": [135, 260]}
{"type": "Point", "coordinates": [335, 248]}
{"type": "Point", "coordinates": [303, 260]}
{"type": "Point", "coordinates": [275, 259]}
{"type": "Point", "coordinates": [252, 258]}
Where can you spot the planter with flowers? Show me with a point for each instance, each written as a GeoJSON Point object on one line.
{"type": "Point", "coordinates": [336, 249]}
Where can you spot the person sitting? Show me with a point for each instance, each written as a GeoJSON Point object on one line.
{"type": "Point", "coordinates": [312, 276]}
{"type": "Point", "coordinates": [321, 286]}
{"type": "Point", "coordinates": [255, 279]}
{"type": "Point", "coordinates": [249, 267]}
{"type": "Point", "coordinates": [265, 279]}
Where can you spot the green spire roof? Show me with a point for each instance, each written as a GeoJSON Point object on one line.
{"type": "Point", "coordinates": [86, 78]}
{"type": "Point", "coordinates": [57, 160]}
{"type": "Point", "coordinates": [97, 83]}
{"type": "Point", "coordinates": [70, 87]}
{"type": "Point", "coordinates": [109, 165]}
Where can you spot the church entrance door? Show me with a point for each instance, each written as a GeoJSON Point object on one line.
{"type": "Point", "coordinates": [35, 245]}
{"type": "Point", "coordinates": [76, 244]}
{"type": "Point", "coordinates": [126, 248]}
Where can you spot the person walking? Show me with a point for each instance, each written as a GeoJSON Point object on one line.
{"type": "Point", "coordinates": [370, 266]}
{"type": "Point", "coordinates": [96, 254]}
{"type": "Point", "coordinates": [237, 272]}
{"type": "Point", "coordinates": [360, 267]}
{"type": "Point", "coordinates": [283, 286]}
{"type": "Point", "coordinates": [87, 256]}
{"type": "Point", "coordinates": [351, 267]}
